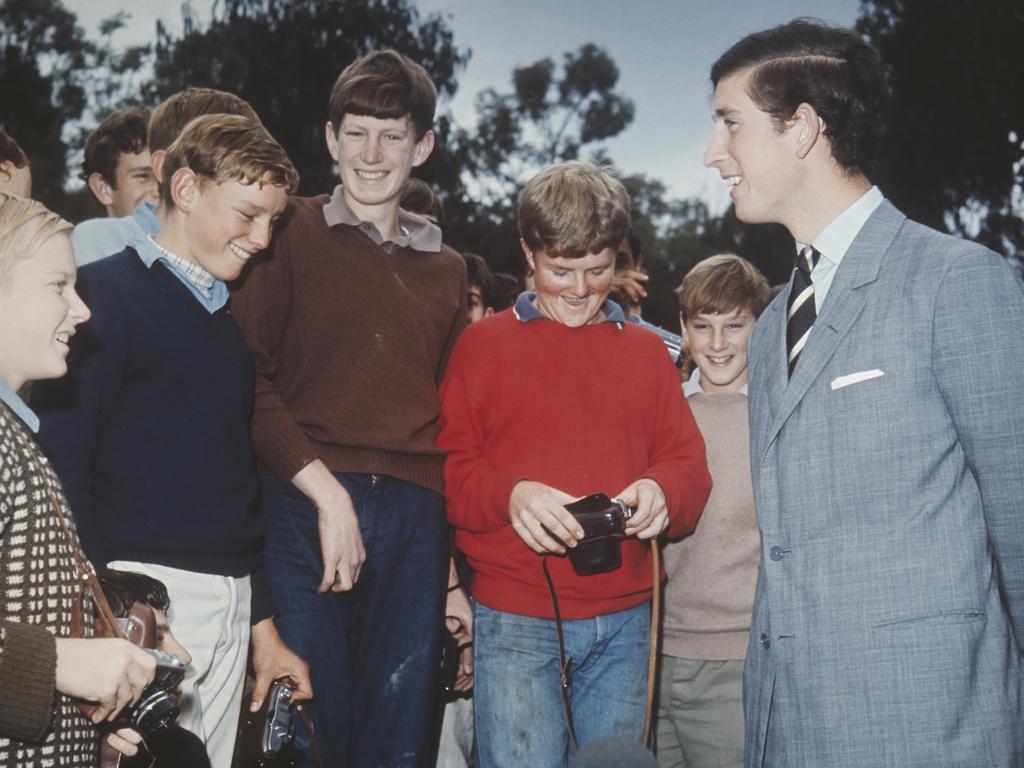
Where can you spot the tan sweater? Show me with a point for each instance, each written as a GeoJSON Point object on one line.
{"type": "Point", "coordinates": [711, 574]}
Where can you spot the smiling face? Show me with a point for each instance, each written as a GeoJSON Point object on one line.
{"type": "Point", "coordinates": [375, 157]}
{"type": "Point", "coordinates": [135, 183]}
{"type": "Point", "coordinates": [718, 345]}
{"type": "Point", "coordinates": [39, 310]}
{"type": "Point", "coordinates": [757, 161]}
{"type": "Point", "coordinates": [221, 224]}
{"type": "Point", "coordinates": [572, 291]}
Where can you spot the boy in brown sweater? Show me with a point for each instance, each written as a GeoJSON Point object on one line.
{"type": "Point", "coordinates": [351, 320]}
{"type": "Point", "coordinates": [711, 574]}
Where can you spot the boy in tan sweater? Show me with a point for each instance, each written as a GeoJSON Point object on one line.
{"type": "Point", "coordinates": [711, 574]}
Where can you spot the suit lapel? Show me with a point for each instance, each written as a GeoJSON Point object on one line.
{"type": "Point", "coordinates": [843, 304]}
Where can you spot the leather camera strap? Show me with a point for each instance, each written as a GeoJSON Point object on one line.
{"type": "Point", "coordinates": [652, 652]}
{"type": "Point", "coordinates": [86, 577]}
{"type": "Point", "coordinates": [563, 663]}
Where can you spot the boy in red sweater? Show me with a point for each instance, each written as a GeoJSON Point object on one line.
{"type": "Point", "coordinates": [556, 399]}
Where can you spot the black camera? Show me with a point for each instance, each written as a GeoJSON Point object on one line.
{"type": "Point", "coordinates": [604, 526]}
{"type": "Point", "coordinates": [155, 709]}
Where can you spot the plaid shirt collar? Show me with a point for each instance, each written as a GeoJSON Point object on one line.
{"type": "Point", "coordinates": [199, 277]}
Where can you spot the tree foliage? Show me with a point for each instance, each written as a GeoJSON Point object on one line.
{"type": "Point", "coordinates": [44, 52]}
{"type": "Point", "coordinates": [550, 114]}
{"type": "Point", "coordinates": [953, 156]}
{"type": "Point", "coordinates": [283, 56]}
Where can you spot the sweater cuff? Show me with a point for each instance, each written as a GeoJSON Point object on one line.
{"type": "Point", "coordinates": [28, 672]}
{"type": "Point", "coordinates": [501, 494]}
{"type": "Point", "coordinates": [262, 604]}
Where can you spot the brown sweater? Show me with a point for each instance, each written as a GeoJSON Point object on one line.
{"type": "Point", "coordinates": [38, 726]}
{"type": "Point", "coordinates": [711, 574]}
{"type": "Point", "coordinates": [350, 340]}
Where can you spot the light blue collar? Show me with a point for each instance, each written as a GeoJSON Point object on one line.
{"type": "Point", "coordinates": [145, 216]}
{"type": "Point", "coordinates": [525, 311]}
{"type": "Point", "coordinates": [11, 400]}
{"type": "Point", "coordinates": [151, 254]}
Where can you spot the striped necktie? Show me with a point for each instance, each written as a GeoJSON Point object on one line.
{"type": "Point", "coordinates": [801, 312]}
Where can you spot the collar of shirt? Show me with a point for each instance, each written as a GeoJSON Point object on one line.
{"type": "Point", "coordinates": [194, 277]}
{"type": "Point", "coordinates": [417, 233]}
{"type": "Point", "coordinates": [692, 386]}
{"type": "Point", "coordinates": [11, 400]}
{"type": "Point", "coordinates": [145, 216]}
{"type": "Point", "coordinates": [834, 240]}
{"type": "Point", "coordinates": [525, 311]}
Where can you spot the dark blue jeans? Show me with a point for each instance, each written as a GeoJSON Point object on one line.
{"type": "Point", "coordinates": [372, 652]}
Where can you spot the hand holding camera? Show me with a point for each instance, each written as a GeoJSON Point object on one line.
{"type": "Point", "coordinates": [650, 508]}
{"type": "Point", "coordinates": [539, 517]}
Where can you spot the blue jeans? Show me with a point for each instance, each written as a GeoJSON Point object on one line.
{"type": "Point", "coordinates": [373, 652]}
{"type": "Point", "coordinates": [517, 694]}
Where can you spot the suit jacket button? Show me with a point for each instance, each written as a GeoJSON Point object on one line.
{"type": "Point", "coordinates": [765, 641]}
{"type": "Point", "coordinates": [776, 553]}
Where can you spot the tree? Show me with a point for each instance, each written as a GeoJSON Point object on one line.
{"type": "Point", "coordinates": [550, 115]}
{"type": "Point", "coordinates": [953, 156]}
{"type": "Point", "coordinates": [283, 56]}
{"type": "Point", "coordinates": [42, 53]}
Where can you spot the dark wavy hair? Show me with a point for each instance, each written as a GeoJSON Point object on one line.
{"type": "Point", "coordinates": [125, 588]}
{"type": "Point", "coordinates": [830, 68]}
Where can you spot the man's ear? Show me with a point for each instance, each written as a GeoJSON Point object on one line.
{"type": "Point", "coordinates": [809, 129]}
{"type": "Point", "coordinates": [156, 162]}
{"type": "Point", "coordinates": [185, 189]}
{"type": "Point", "coordinates": [101, 189]}
{"type": "Point", "coordinates": [331, 136]}
{"type": "Point", "coordinates": [423, 149]}
{"type": "Point", "coordinates": [489, 311]}
{"type": "Point", "coordinates": [528, 254]}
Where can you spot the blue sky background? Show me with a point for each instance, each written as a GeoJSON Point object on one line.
{"type": "Point", "coordinates": [664, 50]}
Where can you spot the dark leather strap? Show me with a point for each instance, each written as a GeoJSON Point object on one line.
{"type": "Point", "coordinates": [652, 654]}
{"type": "Point", "coordinates": [563, 663]}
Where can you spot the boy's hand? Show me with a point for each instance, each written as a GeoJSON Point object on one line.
{"type": "Point", "coordinates": [631, 283]}
{"type": "Point", "coordinates": [650, 510]}
{"type": "Point", "coordinates": [272, 659]}
{"type": "Point", "coordinates": [535, 506]}
{"type": "Point", "coordinates": [341, 543]}
{"type": "Point", "coordinates": [108, 671]}
{"type": "Point", "coordinates": [126, 741]}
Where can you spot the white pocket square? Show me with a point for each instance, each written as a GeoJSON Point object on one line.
{"type": "Point", "coordinates": [855, 378]}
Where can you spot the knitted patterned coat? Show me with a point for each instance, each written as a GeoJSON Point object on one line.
{"type": "Point", "coordinates": [38, 726]}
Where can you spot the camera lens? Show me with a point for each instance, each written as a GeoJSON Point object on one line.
{"type": "Point", "coordinates": [154, 712]}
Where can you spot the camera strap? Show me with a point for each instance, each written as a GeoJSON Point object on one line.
{"type": "Point", "coordinates": [564, 664]}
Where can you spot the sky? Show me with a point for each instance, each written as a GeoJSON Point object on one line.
{"type": "Point", "coordinates": [663, 48]}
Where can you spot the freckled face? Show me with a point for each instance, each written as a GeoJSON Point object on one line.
{"type": "Point", "coordinates": [572, 291]}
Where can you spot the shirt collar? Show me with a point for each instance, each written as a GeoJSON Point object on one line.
{"type": "Point", "coordinates": [145, 216]}
{"type": "Point", "coordinates": [834, 240]}
{"type": "Point", "coordinates": [525, 311]}
{"type": "Point", "coordinates": [192, 275]}
{"type": "Point", "coordinates": [417, 233]}
{"type": "Point", "coordinates": [11, 400]}
{"type": "Point", "coordinates": [692, 385]}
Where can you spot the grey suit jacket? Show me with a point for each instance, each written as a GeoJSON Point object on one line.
{"type": "Point", "coordinates": [889, 615]}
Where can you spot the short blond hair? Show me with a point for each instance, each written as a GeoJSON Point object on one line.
{"type": "Point", "coordinates": [228, 148]}
{"type": "Point", "coordinates": [25, 226]}
{"type": "Point", "coordinates": [723, 283]}
{"type": "Point", "coordinates": [573, 209]}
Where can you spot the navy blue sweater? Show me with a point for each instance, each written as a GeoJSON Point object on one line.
{"type": "Point", "coordinates": [149, 431]}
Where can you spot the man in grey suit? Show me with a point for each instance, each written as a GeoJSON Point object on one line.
{"type": "Point", "coordinates": [887, 437]}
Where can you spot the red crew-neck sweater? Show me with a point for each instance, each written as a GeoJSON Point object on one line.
{"type": "Point", "coordinates": [350, 342]}
{"type": "Point", "coordinates": [584, 410]}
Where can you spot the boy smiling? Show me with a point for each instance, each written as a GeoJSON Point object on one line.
{"type": "Point", "coordinates": [351, 321]}
{"type": "Point", "coordinates": [150, 434]}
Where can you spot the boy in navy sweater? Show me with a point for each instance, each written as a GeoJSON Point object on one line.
{"type": "Point", "coordinates": [151, 432]}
